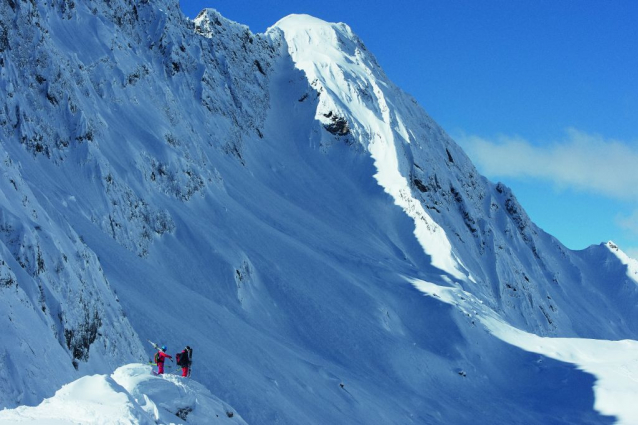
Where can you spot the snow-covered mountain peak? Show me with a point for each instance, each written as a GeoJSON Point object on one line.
{"type": "Point", "coordinates": [631, 263]}
{"type": "Point", "coordinates": [332, 46]}
{"type": "Point", "coordinates": [336, 64]}
{"type": "Point", "coordinates": [209, 18]}
{"type": "Point", "coordinates": [307, 30]}
{"type": "Point", "coordinates": [261, 197]}
{"type": "Point", "coordinates": [359, 105]}
{"type": "Point", "coordinates": [317, 29]}
{"type": "Point", "coordinates": [301, 21]}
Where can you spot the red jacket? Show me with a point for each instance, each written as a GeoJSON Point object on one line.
{"type": "Point", "coordinates": [161, 356]}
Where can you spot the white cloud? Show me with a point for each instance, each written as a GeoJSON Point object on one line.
{"type": "Point", "coordinates": [580, 161]}
{"type": "Point", "coordinates": [629, 223]}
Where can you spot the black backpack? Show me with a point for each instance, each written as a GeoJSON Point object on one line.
{"type": "Point", "coordinates": [182, 358]}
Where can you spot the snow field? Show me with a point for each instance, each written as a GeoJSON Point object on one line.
{"type": "Point", "coordinates": [613, 363]}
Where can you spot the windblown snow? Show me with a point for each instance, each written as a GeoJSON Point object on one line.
{"type": "Point", "coordinates": [273, 201]}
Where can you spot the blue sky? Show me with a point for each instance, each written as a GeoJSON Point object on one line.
{"type": "Point", "coordinates": [543, 95]}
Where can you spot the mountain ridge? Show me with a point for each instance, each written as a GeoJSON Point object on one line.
{"type": "Point", "coordinates": [195, 168]}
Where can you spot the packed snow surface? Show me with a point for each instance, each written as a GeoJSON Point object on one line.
{"type": "Point", "coordinates": [131, 395]}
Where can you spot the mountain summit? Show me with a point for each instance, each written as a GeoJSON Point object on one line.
{"type": "Point", "coordinates": [276, 202]}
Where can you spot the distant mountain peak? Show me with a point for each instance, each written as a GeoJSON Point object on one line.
{"type": "Point", "coordinates": [631, 263]}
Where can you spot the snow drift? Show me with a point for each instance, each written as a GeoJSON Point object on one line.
{"type": "Point", "coordinates": [131, 395]}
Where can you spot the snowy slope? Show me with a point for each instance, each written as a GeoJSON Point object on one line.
{"type": "Point", "coordinates": [494, 244]}
{"type": "Point", "coordinates": [631, 263]}
{"type": "Point", "coordinates": [130, 395]}
{"type": "Point", "coordinates": [263, 198]}
{"type": "Point", "coordinates": [614, 363]}
{"type": "Point", "coordinates": [349, 83]}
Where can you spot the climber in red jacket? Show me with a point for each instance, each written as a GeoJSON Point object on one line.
{"type": "Point", "coordinates": [160, 356]}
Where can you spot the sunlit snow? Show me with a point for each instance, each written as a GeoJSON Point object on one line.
{"type": "Point", "coordinates": [332, 59]}
{"type": "Point", "coordinates": [614, 363]}
{"type": "Point", "coordinates": [131, 395]}
{"type": "Point", "coordinates": [259, 197]}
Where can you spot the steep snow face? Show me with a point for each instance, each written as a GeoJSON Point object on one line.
{"type": "Point", "coordinates": [353, 102]}
{"type": "Point", "coordinates": [93, 129]}
{"type": "Point", "coordinates": [131, 395]}
{"type": "Point", "coordinates": [475, 232]}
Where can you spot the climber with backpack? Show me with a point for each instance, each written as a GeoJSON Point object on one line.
{"type": "Point", "coordinates": [160, 356]}
{"type": "Point", "coordinates": [185, 359]}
